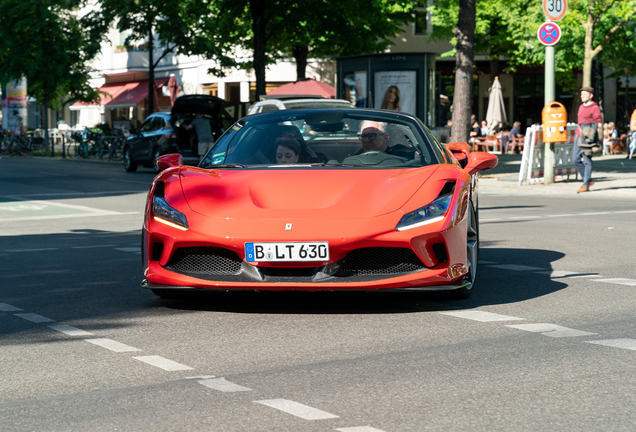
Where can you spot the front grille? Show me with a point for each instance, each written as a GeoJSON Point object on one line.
{"type": "Point", "coordinates": [381, 261]}
{"type": "Point", "coordinates": [205, 260]}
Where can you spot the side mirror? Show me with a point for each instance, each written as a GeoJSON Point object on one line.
{"type": "Point", "coordinates": [169, 161]}
{"type": "Point", "coordinates": [460, 150]}
{"type": "Point", "coordinates": [480, 161]}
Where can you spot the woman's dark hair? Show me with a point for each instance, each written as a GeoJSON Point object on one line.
{"type": "Point", "coordinates": [290, 141]}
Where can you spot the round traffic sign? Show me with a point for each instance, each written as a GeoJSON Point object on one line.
{"type": "Point", "coordinates": [555, 10]}
{"type": "Point", "coordinates": [549, 33]}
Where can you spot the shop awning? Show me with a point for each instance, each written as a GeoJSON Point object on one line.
{"type": "Point", "coordinates": [121, 95]}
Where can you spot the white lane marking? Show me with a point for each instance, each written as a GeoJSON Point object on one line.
{"type": "Point", "coordinates": [481, 316]}
{"type": "Point", "coordinates": [112, 345]}
{"type": "Point", "coordinates": [129, 249]}
{"type": "Point", "coordinates": [560, 215]}
{"type": "Point", "coordinates": [619, 281]}
{"type": "Point", "coordinates": [359, 429]}
{"type": "Point", "coordinates": [486, 262]}
{"type": "Point", "coordinates": [629, 344]}
{"type": "Point", "coordinates": [594, 214]}
{"type": "Point", "coordinates": [91, 247]}
{"type": "Point", "coordinates": [17, 197]}
{"type": "Point", "coordinates": [516, 267]}
{"type": "Point", "coordinates": [551, 330]}
{"type": "Point", "coordinates": [568, 274]}
{"type": "Point", "coordinates": [67, 216]}
{"type": "Point", "coordinates": [163, 363]}
{"type": "Point", "coordinates": [70, 330]}
{"type": "Point", "coordinates": [34, 317]}
{"type": "Point", "coordinates": [297, 409]}
{"type": "Point", "coordinates": [221, 384]}
{"type": "Point", "coordinates": [201, 377]}
{"type": "Point", "coordinates": [31, 250]}
{"type": "Point", "coordinates": [8, 308]}
{"type": "Point", "coordinates": [626, 211]}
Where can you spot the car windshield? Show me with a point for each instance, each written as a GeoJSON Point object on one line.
{"type": "Point", "coordinates": [325, 138]}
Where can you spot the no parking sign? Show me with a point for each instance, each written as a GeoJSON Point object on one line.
{"type": "Point", "coordinates": [549, 33]}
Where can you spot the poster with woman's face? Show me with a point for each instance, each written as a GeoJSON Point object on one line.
{"type": "Point", "coordinates": [356, 88]}
{"type": "Point", "coordinates": [396, 91]}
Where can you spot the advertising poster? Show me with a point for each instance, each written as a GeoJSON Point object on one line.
{"type": "Point", "coordinates": [14, 109]}
{"type": "Point", "coordinates": [356, 88]}
{"type": "Point", "coordinates": [396, 90]}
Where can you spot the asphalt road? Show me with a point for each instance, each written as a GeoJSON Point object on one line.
{"type": "Point", "coordinates": [546, 342]}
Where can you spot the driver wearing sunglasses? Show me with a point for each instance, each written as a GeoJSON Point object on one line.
{"type": "Point", "coordinates": [374, 137]}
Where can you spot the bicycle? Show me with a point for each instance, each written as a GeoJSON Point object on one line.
{"type": "Point", "coordinates": [88, 144]}
{"type": "Point", "coordinates": [112, 146]}
{"type": "Point", "coordinates": [28, 145]}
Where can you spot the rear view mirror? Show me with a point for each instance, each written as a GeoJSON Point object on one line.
{"type": "Point", "coordinates": [480, 161]}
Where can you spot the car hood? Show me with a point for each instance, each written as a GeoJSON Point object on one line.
{"type": "Point", "coordinates": [300, 193]}
{"type": "Point", "coordinates": [190, 104]}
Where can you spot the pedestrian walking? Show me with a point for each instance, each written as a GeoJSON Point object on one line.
{"type": "Point", "coordinates": [587, 137]}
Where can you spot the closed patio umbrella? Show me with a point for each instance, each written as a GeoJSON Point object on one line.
{"type": "Point", "coordinates": [496, 114]}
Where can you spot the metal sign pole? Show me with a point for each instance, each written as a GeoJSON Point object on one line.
{"type": "Point", "coordinates": [548, 161]}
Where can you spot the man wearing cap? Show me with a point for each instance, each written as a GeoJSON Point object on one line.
{"type": "Point", "coordinates": [588, 118]}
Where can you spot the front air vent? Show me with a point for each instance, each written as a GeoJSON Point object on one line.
{"type": "Point", "coordinates": [381, 261]}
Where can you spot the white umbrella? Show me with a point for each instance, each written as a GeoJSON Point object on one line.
{"type": "Point", "coordinates": [496, 114]}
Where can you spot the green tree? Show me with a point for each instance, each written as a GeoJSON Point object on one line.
{"type": "Point", "coordinates": [52, 45]}
{"type": "Point", "coordinates": [173, 23]}
{"type": "Point", "coordinates": [329, 29]}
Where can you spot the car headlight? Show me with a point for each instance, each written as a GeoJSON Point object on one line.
{"type": "Point", "coordinates": [430, 213]}
{"type": "Point", "coordinates": [167, 215]}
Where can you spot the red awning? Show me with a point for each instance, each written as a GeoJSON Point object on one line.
{"type": "Point", "coordinates": [305, 87]}
{"type": "Point", "coordinates": [122, 95]}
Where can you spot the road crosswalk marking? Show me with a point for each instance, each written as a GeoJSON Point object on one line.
{"type": "Point", "coordinates": [34, 317]}
{"type": "Point", "coordinates": [618, 281]}
{"type": "Point", "coordinates": [112, 345]}
{"type": "Point", "coordinates": [221, 384]}
{"type": "Point", "coordinates": [629, 344]}
{"type": "Point", "coordinates": [480, 316]}
{"type": "Point", "coordinates": [163, 363]}
{"type": "Point", "coordinates": [70, 330]}
{"type": "Point", "coordinates": [551, 330]}
{"type": "Point", "coordinates": [297, 409]}
{"type": "Point", "coordinates": [8, 308]}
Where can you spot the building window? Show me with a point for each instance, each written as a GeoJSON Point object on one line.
{"type": "Point", "coordinates": [420, 22]}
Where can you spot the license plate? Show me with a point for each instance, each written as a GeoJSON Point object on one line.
{"type": "Point", "coordinates": [297, 251]}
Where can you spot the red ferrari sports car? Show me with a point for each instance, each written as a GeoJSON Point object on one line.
{"type": "Point", "coordinates": [317, 200]}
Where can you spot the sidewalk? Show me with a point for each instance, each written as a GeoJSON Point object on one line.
{"type": "Point", "coordinates": [613, 175]}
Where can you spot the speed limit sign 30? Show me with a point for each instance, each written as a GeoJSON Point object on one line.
{"type": "Point", "coordinates": [555, 10]}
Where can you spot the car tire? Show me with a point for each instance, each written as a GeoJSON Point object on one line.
{"type": "Point", "coordinates": [156, 153]}
{"type": "Point", "coordinates": [129, 164]}
{"type": "Point", "coordinates": [472, 255]}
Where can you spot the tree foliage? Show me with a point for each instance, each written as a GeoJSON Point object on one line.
{"type": "Point", "coordinates": [51, 44]}
{"type": "Point", "coordinates": [601, 29]}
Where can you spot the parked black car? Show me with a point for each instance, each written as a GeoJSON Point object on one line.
{"type": "Point", "coordinates": [163, 133]}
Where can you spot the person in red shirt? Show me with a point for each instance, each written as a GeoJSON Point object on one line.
{"type": "Point", "coordinates": [589, 115]}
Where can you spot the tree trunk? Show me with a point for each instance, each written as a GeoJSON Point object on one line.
{"type": "Point", "coordinates": [151, 71]}
{"type": "Point", "coordinates": [300, 54]}
{"type": "Point", "coordinates": [463, 96]}
{"type": "Point", "coordinates": [600, 97]}
{"type": "Point", "coordinates": [259, 28]}
{"type": "Point", "coordinates": [495, 67]}
{"type": "Point", "coordinates": [589, 51]}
